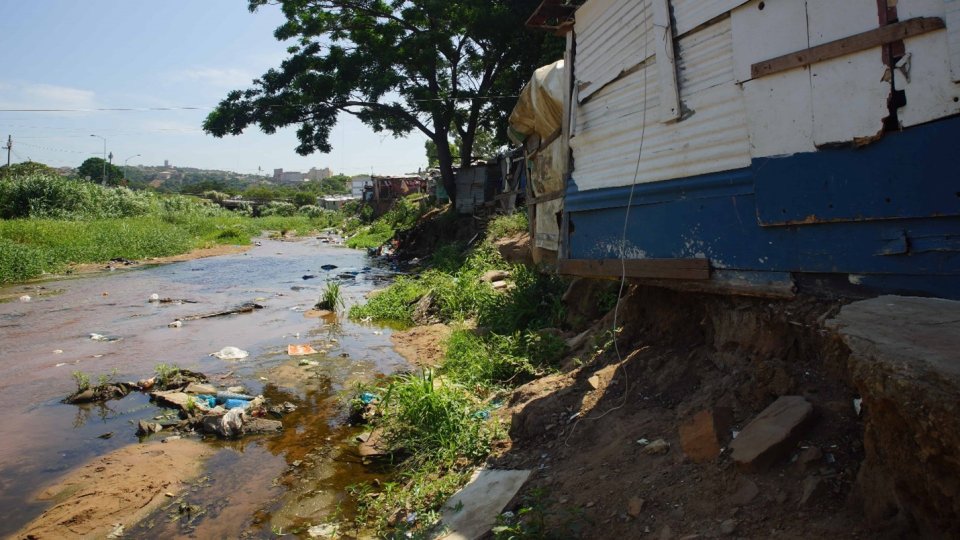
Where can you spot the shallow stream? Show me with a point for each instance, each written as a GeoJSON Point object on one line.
{"type": "Point", "coordinates": [251, 487]}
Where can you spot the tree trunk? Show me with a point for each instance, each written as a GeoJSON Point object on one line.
{"type": "Point", "coordinates": [445, 160]}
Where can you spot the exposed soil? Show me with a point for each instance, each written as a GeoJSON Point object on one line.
{"type": "Point", "coordinates": [422, 345]}
{"type": "Point", "coordinates": [199, 253]}
{"type": "Point", "coordinates": [119, 488]}
{"type": "Point", "coordinates": [583, 433]}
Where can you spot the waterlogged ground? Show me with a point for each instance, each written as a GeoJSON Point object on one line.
{"type": "Point", "coordinates": [254, 487]}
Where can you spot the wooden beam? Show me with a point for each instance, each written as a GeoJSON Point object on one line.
{"type": "Point", "coordinates": [691, 269]}
{"type": "Point", "coordinates": [848, 45]}
{"type": "Point", "coordinates": [666, 61]}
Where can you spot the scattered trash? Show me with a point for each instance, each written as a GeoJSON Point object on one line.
{"type": "Point", "coordinates": [249, 307]}
{"type": "Point", "coordinates": [231, 404]}
{"type": "Point", "coordinates": [223, 397]}
{"type": "Point", "coordinates": [367, 398]}
{"type": "Point", "coordinates": [175, 324]}
{"type": "Point", "coordinates": [58, 351]}
{"type": "Point", "coordinates": [328, 267]}
{"type": "Point", "coordinates": [300, 350]}
{"type": "Point", "coordinates": [734, 433]}
{"type": "Point", "coordinates": [643, 442]}
{"type": "Point", "coordinates": [327, 530]}
{"type": "Point", "coordinates": [108, 339]}
{"type": "Point", "coordinates": [482, 415]}
{"type": "Point", "coordinates": [106, 435]}
{"type": "Point", "coordinates": [309, 276]}
{"type": "Point", "coordinates": [154, 297]}
{"type": "Point", "coordinates": [117, 531]}
{"type": "Point", "coordinates": [25, 298]}
{"type": "Point", "coordinates": [858, 405]}
{"type": "Point", "coordinates": [309, 363]}
{"type": "Point", "coordinates": [230, 353]}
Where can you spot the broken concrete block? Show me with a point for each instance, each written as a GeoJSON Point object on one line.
{"type": "Point", "coordinates": [771, 434]}
{"type": "Point", "coordinates": [201, 388]}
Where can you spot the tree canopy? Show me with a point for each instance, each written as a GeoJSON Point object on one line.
{"type": "Point", "coordinates": [26, 168]}
{"type": "Point", "coordinates": [94, 169]}
{"type": "Point", "coordinates": [443, 67]}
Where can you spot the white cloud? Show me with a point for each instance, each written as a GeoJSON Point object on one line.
{"type": "Point", "coordinates": [219, 77]}
{"type": "Point", "coordinates": [46, 96]}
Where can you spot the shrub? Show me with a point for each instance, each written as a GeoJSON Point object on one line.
{"type": "Point", "coordinates": [311, 211]}
{"type": "Point", "coordinates": [503, 226]}
{"type": "Point", "coordinates": [278, 208]}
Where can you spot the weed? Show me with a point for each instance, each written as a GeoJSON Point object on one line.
{"type": "Point", "coordinates": [331, 298]}
{"type": "Point", "coordinates": [529, 522]}
{"type": "Point", "coordinates": [503, 226]}
{"type": "Point", "coordinates": [82, 380]}
{"type": "Point", "coordinates": [165, 374]}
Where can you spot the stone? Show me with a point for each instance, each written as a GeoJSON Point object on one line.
{"type": "Point", "coordinates": [700, 435]}
{"type": "Point", "coordinates": [424, 312]}
{"type": "Point", "coordinates": [657, 447]}
{"type": "Point", "coordinates": [148, 428]}
{"type": "Point", "coordinates": [177, 400]}
{"type": "Point", "coordinates": [745, 492]}
{"type": "Point", "coordinates": [253, 425]}
{"type": "Point", "coordinates": [771, 434]}
{"type": "Point", "coordinates": [808, 458]}
{"type": "Point", "coordinates": [594, 382]}
{"type": "Point", "coordinates": [373, 445]}
{"type": "Point", "coordinates": [492, 276]}
{"type": "Point", "coordinates": [728, 527]}
{"type": "Point", "coordinates": [498, 285]}
{"type": "Point", "coordinates": [200, 388]}
{"type": "Point", "coordinates": [635, 506]}
{"type": "Point", "coordinates": [903, 364]}
{"type": "Point", "coordinates": [327, 530]}
{"type": "Point", "coordinates": [814, 489]}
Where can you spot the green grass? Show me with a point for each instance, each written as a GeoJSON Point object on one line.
{"type": "Point", "coordinates": [330, 298]}
{"type": "Point", "coordinates": [503, 226]}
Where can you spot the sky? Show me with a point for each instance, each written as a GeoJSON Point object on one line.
{"type": "Point", "coordinates": [89, 54]}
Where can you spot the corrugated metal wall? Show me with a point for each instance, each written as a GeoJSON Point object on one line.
{"type": "Point", "coordinates": [711, 136]}
{"type": "Point", "coordinates": [689, 14]}
{"type": "Point", "coordinates": [610, 39]}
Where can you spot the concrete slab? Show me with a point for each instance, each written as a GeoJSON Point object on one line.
{"type": "Point", "coordinates": [473, 510]}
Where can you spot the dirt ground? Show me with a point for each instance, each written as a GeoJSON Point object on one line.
{"type": "Point", "coordinates": [199, 253]}
{"type": "Point", "coordinates": [422, 345]}
{"type": "Point", "coordinates": [119, 488]}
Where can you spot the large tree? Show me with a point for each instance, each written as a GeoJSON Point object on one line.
{"type": "Point", "coordinates": [94, 169]}
{"type": "Point", "coordinates": [444, 67]}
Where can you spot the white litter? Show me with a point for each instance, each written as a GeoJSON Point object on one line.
{"type": "Point", "coordinates": [25, 298]}
{"type": "Point", "coordinates": [230, 353]}
{"type": "Point", "coordinates": [175, 324]}
{"type": "Point", "coordinates": [154, 297]}
{"type": "Point", "coordinates": [57, 351]}
{"type": "Point", "coordinates": [858, 405]}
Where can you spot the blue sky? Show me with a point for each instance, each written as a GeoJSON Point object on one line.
{"type": "Point", "coordinates": [87, 54]}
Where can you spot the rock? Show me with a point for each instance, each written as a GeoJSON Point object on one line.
{"type": "Point", "coordinates": [594, 382]}
{"type": "Point", "coordinates": [635, 506]}
{"type": "Point", "coordinates": [254, 425]}
{"type": "Point", "coordinates": [200, 388]}
{"type": "Point", "coordinates": [499, 285]}
{"type": "Point", "coordinates": [425, 311]}
{"type": "Point", "coordinates": [699, 436]}
{"type": "Point", "coordinates": [771, 434]}
{"type": "Point", "coordinates": [814, 489]}
{"type": "Point", "coordinates": [237, 389]}
{"type": "Point", "coordinates": [657, 447]}
{"type": "Point", "coordinates": [327, 530]}
{"type": "Point", "coordinates": [177, 400]}
{"type": "Point", "coordinates": [491, 276]}
{"type": "Point", "coordinates": [373, 445]}
{"type": "Point", "coordinates": [746, 491]}
{"type": "Point", "coordinates": [903, 363]}
{"type": "Point", "coordinates": [808, 458]}
{"type": "Point", "coordinates": [728, 527]}
{"type": "Point", "coordinates": [148, 428]}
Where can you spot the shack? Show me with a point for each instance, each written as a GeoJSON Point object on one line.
{"type": "Point", "coordinates": [749, 146]}
{"type": "Point", "coordinates": [384, 191]}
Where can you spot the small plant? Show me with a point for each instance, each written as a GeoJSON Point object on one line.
{"type": "Point", "coordinates": [190, 405]}
{"type": "Point", "coordinates": [331, 299]}
{"type": "Point", "coordinates": [82, 381]}
{"type": "Point", "coordinates": [165, 374]}
{"type": "Point", "coordinates": [104, 378]}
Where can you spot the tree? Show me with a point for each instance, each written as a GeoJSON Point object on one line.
{"type": "Point", "coordinates": [444, 67]}
{"type": "Point", "coordinates": [27, 168]}
{"type": "Point", "coordinates": [93, 168]}
{"type": "Point", "coordinates": [484, 146]}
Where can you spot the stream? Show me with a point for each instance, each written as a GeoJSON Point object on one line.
{"type": "Point", "coordinates": [254, 487]}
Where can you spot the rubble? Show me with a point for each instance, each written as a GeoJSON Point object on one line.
{"type": "Point", "coordinates": [771, 434]}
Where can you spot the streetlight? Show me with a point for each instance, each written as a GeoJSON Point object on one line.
{"type": "Point", "coordinates": [125, 165]}
{"type": "Point", "coordinates": [103, 179]}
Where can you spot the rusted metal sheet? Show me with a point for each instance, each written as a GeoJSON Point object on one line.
{"type": "Point", "coordinates": [689, 14]}
{"type": "Point", "coordinates": [612, 37]}
{"type": "Point", "coordinates": [711, 136]}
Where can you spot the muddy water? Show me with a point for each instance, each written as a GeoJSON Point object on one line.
{"type": "Point", "coordinates": [250, 487]}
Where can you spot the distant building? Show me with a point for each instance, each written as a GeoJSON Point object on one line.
{"type": "Point", "coordinates": [291, 177]}
{"type": "Point", "coordinates": [316, 174]}
{"type": "Point", "coordinates": [358, 183]}
{"type": "Point", "coordinates": [277, 175]}
{"type": "Point", "coordinates": [166, 164]}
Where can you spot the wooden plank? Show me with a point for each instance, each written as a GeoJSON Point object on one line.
{"type": "Point", "coordinates": [666, 61]}
{"type": "Point", "coordinates": [546, 197]}
{"type": "Point", "coordinates": [953, 37]}
{"type": "Point", "coordinates": [848, 45]}
{"type": "Point", "coordinates": [696, 269]}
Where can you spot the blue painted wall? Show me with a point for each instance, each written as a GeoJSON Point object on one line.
{"type": "Point", "coordinates": [888, 214]}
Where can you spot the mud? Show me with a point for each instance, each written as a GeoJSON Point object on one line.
{"type": "Point", "coordinates": [422, 345]}
{"type": "Point", "coordinates": [119, 488]}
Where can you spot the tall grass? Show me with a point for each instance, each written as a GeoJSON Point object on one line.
{"type": "Point", "coordinates": [401, 217]}
{"type": "Point", "coordinates": [50, 222]}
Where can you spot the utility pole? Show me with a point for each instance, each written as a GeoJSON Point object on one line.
{"type": "Point", "coordinates": [9, 147]}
